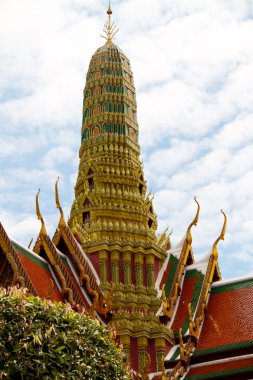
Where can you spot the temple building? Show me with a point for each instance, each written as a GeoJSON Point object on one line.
{"type": "Point", "coordinates": [175, 318]}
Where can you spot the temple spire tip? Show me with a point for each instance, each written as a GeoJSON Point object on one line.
{"type": "Point", "coordinates": [110, 29]}
{"type": "Point", "coordinates": [109, 10]}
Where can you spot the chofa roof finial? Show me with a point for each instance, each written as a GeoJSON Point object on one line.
{"type": "Point", "coordinates": [194, 222]}
{"type": "Point", "coordinates": [62, 222]}
{"type": "Point", "coordinates": [220, 237]}
{"type": "Point", "coordinates": [109, 29]}
{"type": "Point", "coordinates": [43, 231]}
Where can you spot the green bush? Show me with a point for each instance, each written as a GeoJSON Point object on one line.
{"type": "Point", "coordinates": [44, 340]}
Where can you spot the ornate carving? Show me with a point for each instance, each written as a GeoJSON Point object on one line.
{"type": "Point", "coordinates": [105, 306]}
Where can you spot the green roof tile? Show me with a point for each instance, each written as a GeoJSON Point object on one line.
{"type": "Point", "coordinates": [240, 284]}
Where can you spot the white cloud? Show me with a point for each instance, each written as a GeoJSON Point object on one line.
{"type": "Point", "coordinates": [58, 155]}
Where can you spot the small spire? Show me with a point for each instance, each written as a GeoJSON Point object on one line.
{"type": "Point", "coordinates": [109, 29]}
{"type": "Point", "coordinates": [43, 231]}
{"type": "Point", "coordinates": [62, 222]}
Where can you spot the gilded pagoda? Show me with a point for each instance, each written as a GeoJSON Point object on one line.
{"type": "Point", "coordinates": [174, 317]}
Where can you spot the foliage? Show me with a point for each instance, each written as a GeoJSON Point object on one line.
{"type": "Point", "coordinates": [41, 339]}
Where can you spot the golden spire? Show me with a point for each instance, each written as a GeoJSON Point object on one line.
{"type": "Point", "coordinates": [194, 222]}
{"type": "Point", "coordinates": [109, 29]}
{"type": "Point", "coordinates": [43, 231]}
{"type": "Point", "coordinates": [62, 222]}
{"type": "Point", "coordinates": [221, 236]}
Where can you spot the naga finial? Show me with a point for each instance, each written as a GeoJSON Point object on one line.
{"type": "Point", "coordinates": [109, 29]}
{"type": "Point", "coordinates": [194, 222]}
{"type": "Point", "coordinates": [62, 222]}
{"type": "Point", "coordinates": [221, 236]}
{"type": "Point", "coordinates": [43, 231]}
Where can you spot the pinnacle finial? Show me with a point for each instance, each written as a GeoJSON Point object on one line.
{"type": "Point", "coordinates": [109, 29]}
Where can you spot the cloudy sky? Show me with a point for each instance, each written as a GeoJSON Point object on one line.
{"type": "Point", "coordinates": [193, 68]}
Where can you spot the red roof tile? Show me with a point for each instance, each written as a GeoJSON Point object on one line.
{"type": "Point", "coordinates": [185, 299]}
{"type": "Point", "coordinates": [166, 274]}
{"type": "Point", "coordinates": [40, 277]}
{"type": "Point", "coordinates": [208, 369]}
{"type": "Point", "coordinates": [229, 317]}
{"type": "Point", "coordinates": [192, 285]}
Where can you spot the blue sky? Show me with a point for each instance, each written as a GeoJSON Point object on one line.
{"type": "Point", "coordinates": [193, 68]}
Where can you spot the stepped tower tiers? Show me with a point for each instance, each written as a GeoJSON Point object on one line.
{"type": "Point", "coordinates": [112, 217]}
